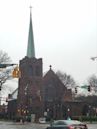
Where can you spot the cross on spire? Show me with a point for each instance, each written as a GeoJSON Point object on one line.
{"type": "Point", "coordinates": [50, 67]}
{"type": "Point", "coordinates": [30, 47]}
{"type": "Point", "coordinates": [30, 9]}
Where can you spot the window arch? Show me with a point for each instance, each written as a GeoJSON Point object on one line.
{"type": "Point", "coordinates": [37, 71]}
{"type": "Point", "coordinates": [30, 70]}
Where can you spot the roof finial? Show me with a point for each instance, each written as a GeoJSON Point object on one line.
{"type": "Point", "coordinates": [50, 67]}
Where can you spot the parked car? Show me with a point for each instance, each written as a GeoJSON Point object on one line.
{"type": "Point", "coordinates": [67, 124]}
{"type": "Point", "coordinates": [42, 120]}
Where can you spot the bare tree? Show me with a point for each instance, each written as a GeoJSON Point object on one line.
{"type": "Point", "coordinates": [92, 81]}
{"type": "Point", "coordinates": [4, 58]}
{"type": "Point", "coordinates": [4, 74]}
{"type": "Point", "coordinates": [67, 80]}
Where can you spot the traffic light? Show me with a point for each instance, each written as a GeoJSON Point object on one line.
{"type": "Point", "coordinates": [75, 89]}
{"type": "Point", "coordinates": [0, 88]}
{"type": "Point", "coordinates": [16, 72]}
{"type": "Point", "coordinates": [6, 99]}
{"type": "Point", "coordinates": [89, 88]}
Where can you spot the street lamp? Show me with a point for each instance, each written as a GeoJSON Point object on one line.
{"type": "Point", "coordinates": [93, 58]}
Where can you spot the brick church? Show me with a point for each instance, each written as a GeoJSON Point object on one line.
{"type": "Point", "coordinates": [39, 95]}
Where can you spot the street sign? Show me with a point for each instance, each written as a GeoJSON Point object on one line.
{"type": "Point", "coordinates": [84, 86]}
{"type": "Point", "coordinates": [6, 65]}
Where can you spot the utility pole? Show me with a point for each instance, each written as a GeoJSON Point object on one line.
{"type": "Point", "coordinates": [0, 91]}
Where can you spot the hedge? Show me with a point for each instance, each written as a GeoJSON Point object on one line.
{"type": "Point", "coordinates": [85, 118]}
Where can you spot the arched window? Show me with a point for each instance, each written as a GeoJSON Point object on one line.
{"type": "Point", "coordinates": [37, 71]}
{"type": "Point", "coordinates": [30, 70]}
{"type": "Point", "coordinates": [50, 93]}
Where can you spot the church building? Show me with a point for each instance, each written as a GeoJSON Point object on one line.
{"type": "Point", "coordinates": [38, 95]}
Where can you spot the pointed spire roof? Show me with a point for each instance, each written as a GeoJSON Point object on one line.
{"type": "Point", "coordinates": [30, 47]}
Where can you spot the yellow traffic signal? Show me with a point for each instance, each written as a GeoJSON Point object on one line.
{"type": "Point", "coordinates": [16, 72]}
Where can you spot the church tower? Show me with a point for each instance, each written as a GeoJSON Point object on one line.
{"type": "Point", "coordinates": [29, 101]}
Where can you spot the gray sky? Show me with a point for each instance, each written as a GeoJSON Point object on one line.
{"type": "Point", "coordinates": [65, 33]}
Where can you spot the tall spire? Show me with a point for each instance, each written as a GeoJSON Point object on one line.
{"type": "Point", "coordinates": [30, 48]}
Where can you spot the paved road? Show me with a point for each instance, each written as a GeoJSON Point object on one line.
{"type": "Point", "coordinates": [92, 126]}
{"type": "Point", "coordinates": [12, 125]}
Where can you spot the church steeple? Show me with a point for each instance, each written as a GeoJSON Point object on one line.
{"type": "Point", "coordinates": [30, 47]}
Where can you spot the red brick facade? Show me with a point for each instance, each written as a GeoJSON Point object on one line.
{"type": "Point", "coordinates": [30, 84]}
{"type": "Point", "coordinates": [43, 96]}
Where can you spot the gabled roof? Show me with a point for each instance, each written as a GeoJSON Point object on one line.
{"type": "Point", "coordinates": [13, 95]}
{"type": "Point", "coordinates": [51, 76]}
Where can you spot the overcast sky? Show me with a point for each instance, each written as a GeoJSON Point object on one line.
{"type": "Point", "coordinates": [65, 33]}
